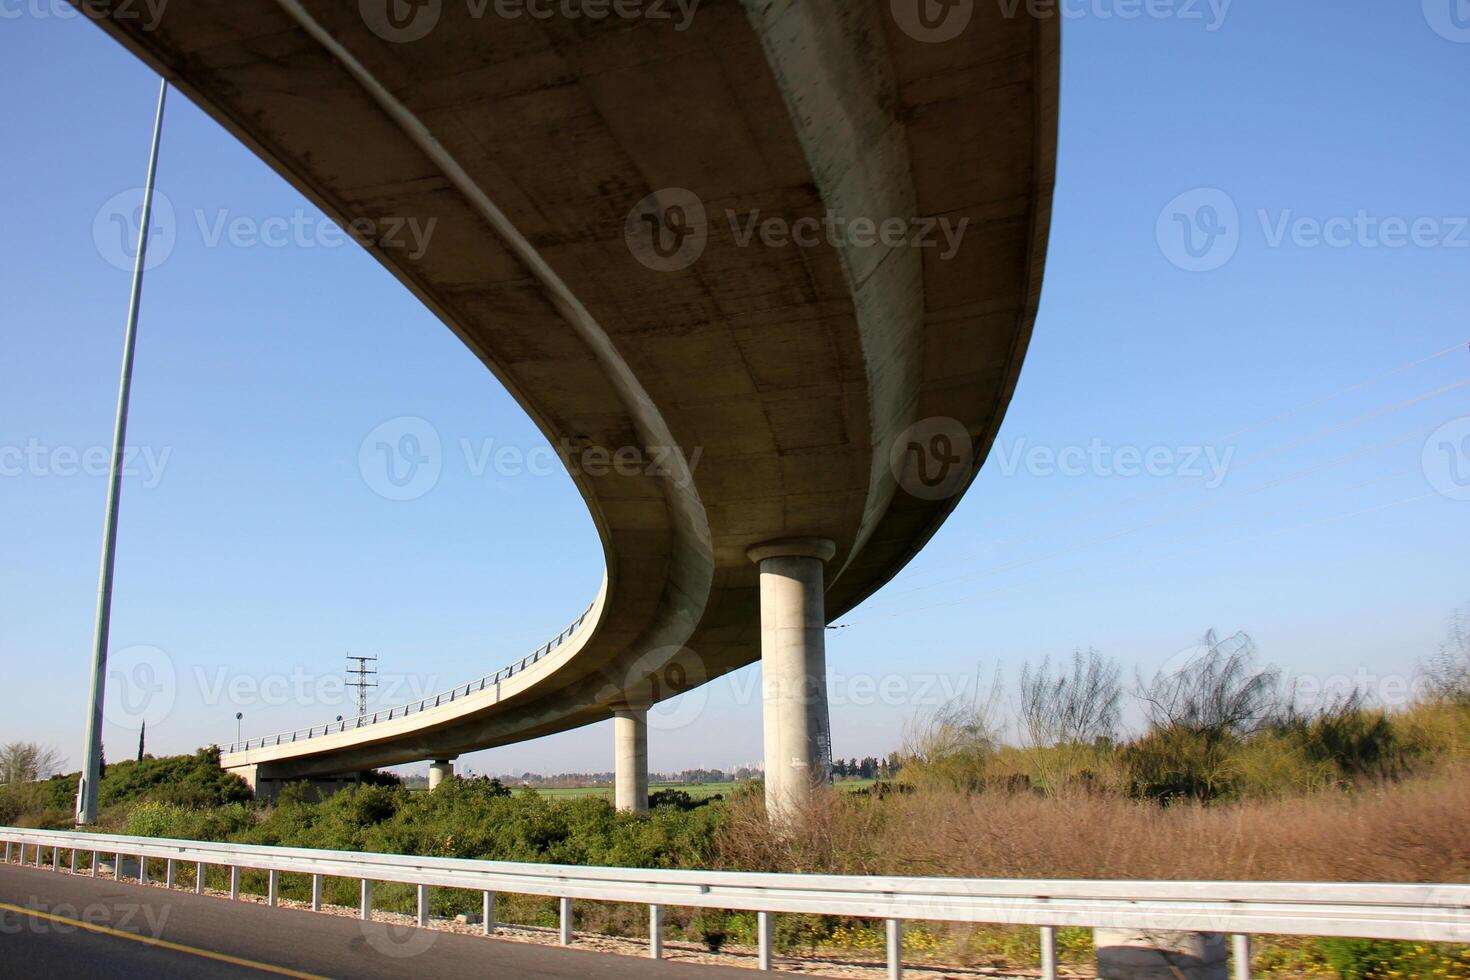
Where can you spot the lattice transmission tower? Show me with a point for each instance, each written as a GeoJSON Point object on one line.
{"type": "Point", "coordinates": [360, 677]}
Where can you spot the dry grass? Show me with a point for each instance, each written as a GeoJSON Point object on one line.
{"type": "Point", "coordinates": [1418, 830]}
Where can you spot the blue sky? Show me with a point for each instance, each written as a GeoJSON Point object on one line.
{"type": "Point", "coordinates": [253, 555]}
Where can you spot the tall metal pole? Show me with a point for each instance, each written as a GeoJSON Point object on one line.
{"type": "Point", "coordinates": [92, 770]}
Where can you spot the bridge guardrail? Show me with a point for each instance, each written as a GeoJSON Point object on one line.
{"type": "Point", "coordinates": [1407, 912]}
{"type": "Point", "coordinates": [413, 707]}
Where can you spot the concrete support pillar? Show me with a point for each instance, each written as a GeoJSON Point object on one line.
{"type": "Point", "coordinates": [798, 732]}
{"type": "Point", "coordinates": [630, 758]}
{"type": "Point", "coordinates": [441, 770]}
{"type": "Point", "coordinates": [1158, 954]}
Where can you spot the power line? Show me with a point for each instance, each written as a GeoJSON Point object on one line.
{"type": "Point", "coordinates": [1285, 447]}
{"type": "Point", "coordinates": [1111, 567]}
{"type": "Point", "coordinates": [1278, 417]}
{"type": "Point", "coordinates": [1317, 402]}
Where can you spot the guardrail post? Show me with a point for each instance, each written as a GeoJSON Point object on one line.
{"type": "Point", "coordinates": [316, 893]}
{"type": "Point", "coordinates": [95, 862]}
{"type": "Point", "coordinates": [1240, 952]}
{"type": "Point", "coordinates": [656, 931]}
{"type": "Point", "coordinates": [142, 870]}
{"type": "Point", "coordinates": [1048, 953]}
{"type": "Point", "coordinates": [893, 934]}
{"type": "Point", "coordinates": [365, 903]}
{"type": "Point", "coordinates": [7, 852]}
{"type": "Point", "coordinates": [55, 859]}
{"type": "Point", "coordinates": [273, 890]}
{"type": "Point", "coordinates": [763, 930]}
{"type": "Point", "coordinates": [487, 914]}
{"type": "Point", "coordinates": [566, 921]}
{"type": "Point", "coordinates": [199, 878]}
{"type": "Point", "coordinates": [73, 860]}
{"type": "Point", "coordinates": [117, 867]}
{"type": "Point", "coordinates": [423, 906]}
{"type": "Point", "coordinates": [168, 874]}
{"type": "Point", "coordinates": [234, 882]}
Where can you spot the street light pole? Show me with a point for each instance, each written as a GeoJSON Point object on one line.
{"type": "Point", "coordinates": [92, 770]}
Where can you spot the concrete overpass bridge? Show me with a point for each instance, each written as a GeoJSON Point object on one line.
{"type": "Point", "coordinates": [815, 403]}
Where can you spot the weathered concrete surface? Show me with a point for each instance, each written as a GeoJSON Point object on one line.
{"type": "Point", "coordinates": [795, 715]}
{"type": "Point", "coordinates": [1158, 954]}
{"type": "Point", "coordinates": [785, 378]}
{"type": "Point", "coordinates": [630, 758]}
{"type": "Point", "coordinates": [440, 770]}
{"type": "Point", "coordinates": [267, 780]}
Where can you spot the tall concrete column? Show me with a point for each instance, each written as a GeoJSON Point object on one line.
{"type": "Point", "coordinates": [630, 758]}
{"type": "Point", "coordinates": [798, 730]}
{"type": "Point", "coordinates": [1158, 954]}
{"type": "Point", "coordinates": [441, 770]}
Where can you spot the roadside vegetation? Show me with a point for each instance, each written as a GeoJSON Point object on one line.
{"type": "Point", "coordinates": [1232, 775]}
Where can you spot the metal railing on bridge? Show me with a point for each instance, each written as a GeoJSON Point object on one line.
{"type": "Point", "coordinates": [1408, 912]}
{"type": "Point", "coordinates": [415, 707]}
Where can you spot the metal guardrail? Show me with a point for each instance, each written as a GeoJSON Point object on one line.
{"type": "Point", "coordinates": [1409, 912]}
{"type": "Point", "coordinates": [404, 710]}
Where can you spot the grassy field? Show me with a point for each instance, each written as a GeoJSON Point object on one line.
{"type": "Point", "coordinates": [699, 791]}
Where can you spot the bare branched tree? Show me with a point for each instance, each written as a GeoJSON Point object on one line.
{"type": "Point", "coordinates": [952, 744]}
{"type": "Point", "coordinates": [1218, 694]}
{"type": "Point", "coordinates": [1080, 706]}
{"type": "Point", "coordinates": [1448, 672]}
{"type": "Point", "coordinates": [26, 762]}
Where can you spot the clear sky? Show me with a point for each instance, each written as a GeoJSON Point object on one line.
{"type": "Point", "coordinates": [1309, 338]}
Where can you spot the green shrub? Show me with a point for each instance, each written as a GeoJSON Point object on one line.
{"type": "Point", "coordinates": [1377, 959]}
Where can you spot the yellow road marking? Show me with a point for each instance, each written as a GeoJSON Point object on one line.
{"type": "Point", "coordinates": [161, 943]}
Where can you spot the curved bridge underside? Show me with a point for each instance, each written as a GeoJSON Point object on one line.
{"type": "Point", "coordinates": [764, 387]}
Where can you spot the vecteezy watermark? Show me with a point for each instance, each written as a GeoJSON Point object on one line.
{"type": "Point", "coordinates": [579, 458]}
{"type": "Point", "coordinates": [405, 21]}
{"type": "Point", "coordinates": [1097, 458]}
{"type": "Point", "coordinates": [147, 13]}
{"type": "Point", "coordinates": [936, 21]}
{"type": "Point", "coordinates": [1201, 230]}
{"type": "Point", "coordinates": [932, 21]}
{"type": "Point", "coordinates": [116, 230]}
{"type": "Point", "coordinates": [36, 459]}
{"type": "Point", "coordinates": [64, 919]}
{"type": "Point", "coordinates": [142, 686]}
{"type": "Point", "coordinates": [677, 685]}
{"type": "Point", "coordinates": [398, 942]}
{"type": "Point", "coordinates": [1210, 13]}
{"type": "Point", "coordinates": [220, 686]}
{"type": "Point", "coordinates": [1312, 692]}
{"type": "Point", "coordinates": [403, 459]}
{"type": "Point", "coordinates": [672, 680]}
{"type": "Point", "coordinates": [841, 231]}
{"type": "Point", "coordinates": [1450, 19]}
{"type": "Point", "coordinates": [301, 229]}
{"type": "Point", "coordinates": [1446, 459]}
{"type": "Point", "coordinates": [1363, 229]}
{"type": "Point", "coordinates": [933, 459]}
{"type": "Point", "coordinates": [667, 230]}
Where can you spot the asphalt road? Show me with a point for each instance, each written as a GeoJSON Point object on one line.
{"type": "Point", "coordinates": [61, 927]}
